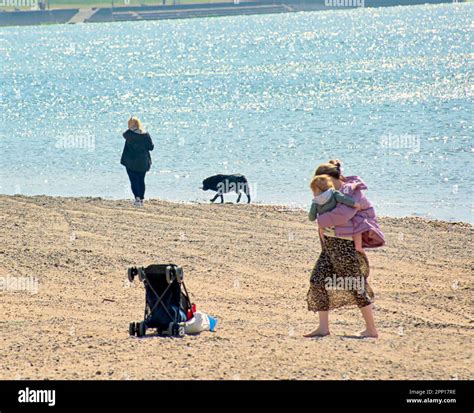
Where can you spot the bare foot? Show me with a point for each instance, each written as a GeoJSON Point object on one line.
{"type": "Point", "coordinates": [318, 333]}
{"type": "Point", "coordinates": [369, 334]}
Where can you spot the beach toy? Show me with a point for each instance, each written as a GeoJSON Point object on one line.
{"type": "Point", "coordinates": [212, 323]}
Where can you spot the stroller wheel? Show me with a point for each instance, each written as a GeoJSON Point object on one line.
{"type": "Point", "coordinates": [130, 274]}
{"type": "Point", "coordinates": [141, 329]}
{"type": "Point", "coordinates": [179, 274]}
{"type": "Point", "coordinates": [169, 274]}
{"type": "Point", "coordinates": [141, 274]}
{"type": "Point", "coordinates": [132, 329]}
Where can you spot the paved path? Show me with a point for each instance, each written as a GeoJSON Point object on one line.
{"type": "Point", "coordinates": [82, 15]}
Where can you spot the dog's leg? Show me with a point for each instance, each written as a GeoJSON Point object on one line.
{"type": "Point", "coordinates": [213, 199]}
{"type": "Point", "coordinates": [247, 190]}
{"type": "Point", "coordinates": [222, 199]}
{"type": "Point", "coordinates": [238, 198]}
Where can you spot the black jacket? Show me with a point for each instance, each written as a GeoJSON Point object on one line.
{"type": "Point", "coordinates": [136, 152]}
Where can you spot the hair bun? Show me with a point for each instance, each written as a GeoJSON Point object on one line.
{"type": "Point", "coordinates": [336, 162]}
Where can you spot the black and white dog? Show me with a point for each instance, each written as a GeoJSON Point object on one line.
{"type": "Point", "coordinates": [227, 183]}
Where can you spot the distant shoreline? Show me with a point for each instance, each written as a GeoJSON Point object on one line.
{"type": "Point", "coordinates": [184, 11]}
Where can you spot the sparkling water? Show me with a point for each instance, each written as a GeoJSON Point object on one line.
{"type": "Point", "coordinates": [388, 91]}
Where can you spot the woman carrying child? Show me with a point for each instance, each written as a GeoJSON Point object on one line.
{"type": "Point", "coordinates": [339, 277]}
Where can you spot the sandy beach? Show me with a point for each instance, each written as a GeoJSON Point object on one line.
{"type": "Point", "coordinates": [247, 265]}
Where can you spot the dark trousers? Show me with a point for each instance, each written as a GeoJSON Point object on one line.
{"type": "Point", "coordinates": [137, 181]}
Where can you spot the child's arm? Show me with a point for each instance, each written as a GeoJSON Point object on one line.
{"type": "Point", "coordinates": [313, 212]}
{"type": "Point", "coordinates": [346, 200]}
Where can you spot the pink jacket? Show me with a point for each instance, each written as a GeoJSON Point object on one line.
{"type": "Point", "coordinates": [348, 221]}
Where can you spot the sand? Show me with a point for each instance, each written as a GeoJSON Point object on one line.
{"type": "Point", "coordinates": [247, 265]}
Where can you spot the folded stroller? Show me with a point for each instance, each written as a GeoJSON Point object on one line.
{"type": "Point", "coordinates": [167, 303]}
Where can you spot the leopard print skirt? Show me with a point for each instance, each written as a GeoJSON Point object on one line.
{"type": "Point", "coordinates": [339, 277]}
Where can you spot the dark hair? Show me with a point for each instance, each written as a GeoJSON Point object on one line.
{"type": "Point", "coordinates": [334, 171]}
{"type": "Point", "coordinates": [336, 162]}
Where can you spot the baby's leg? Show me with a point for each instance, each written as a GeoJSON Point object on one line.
{"type": "Point", "coordinates": [358, 243]}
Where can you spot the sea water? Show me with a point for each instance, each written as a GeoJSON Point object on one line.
{"type": "Point", "coordinates": [388, 91]}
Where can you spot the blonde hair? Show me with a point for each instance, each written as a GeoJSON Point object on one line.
{"type": "Point", "coordinates": [135, 123]}
{"type": "Point", "coordinates": [321, 183]}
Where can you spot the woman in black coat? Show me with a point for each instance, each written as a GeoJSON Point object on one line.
{"type": "Point", "coordinates": [136, 157]}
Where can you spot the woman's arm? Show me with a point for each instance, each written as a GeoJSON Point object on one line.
{"type": "Point", "coordinates": [126, 135]}
{"type": "Point", "coordinates": [149, 142]}
{"type": "Point", "coordinates": [321, 237]}
{"type": "Point", "coordinates": [339, 215]}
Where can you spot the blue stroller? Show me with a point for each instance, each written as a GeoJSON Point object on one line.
{"type": "Point", "coordinates": [167, 302]}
